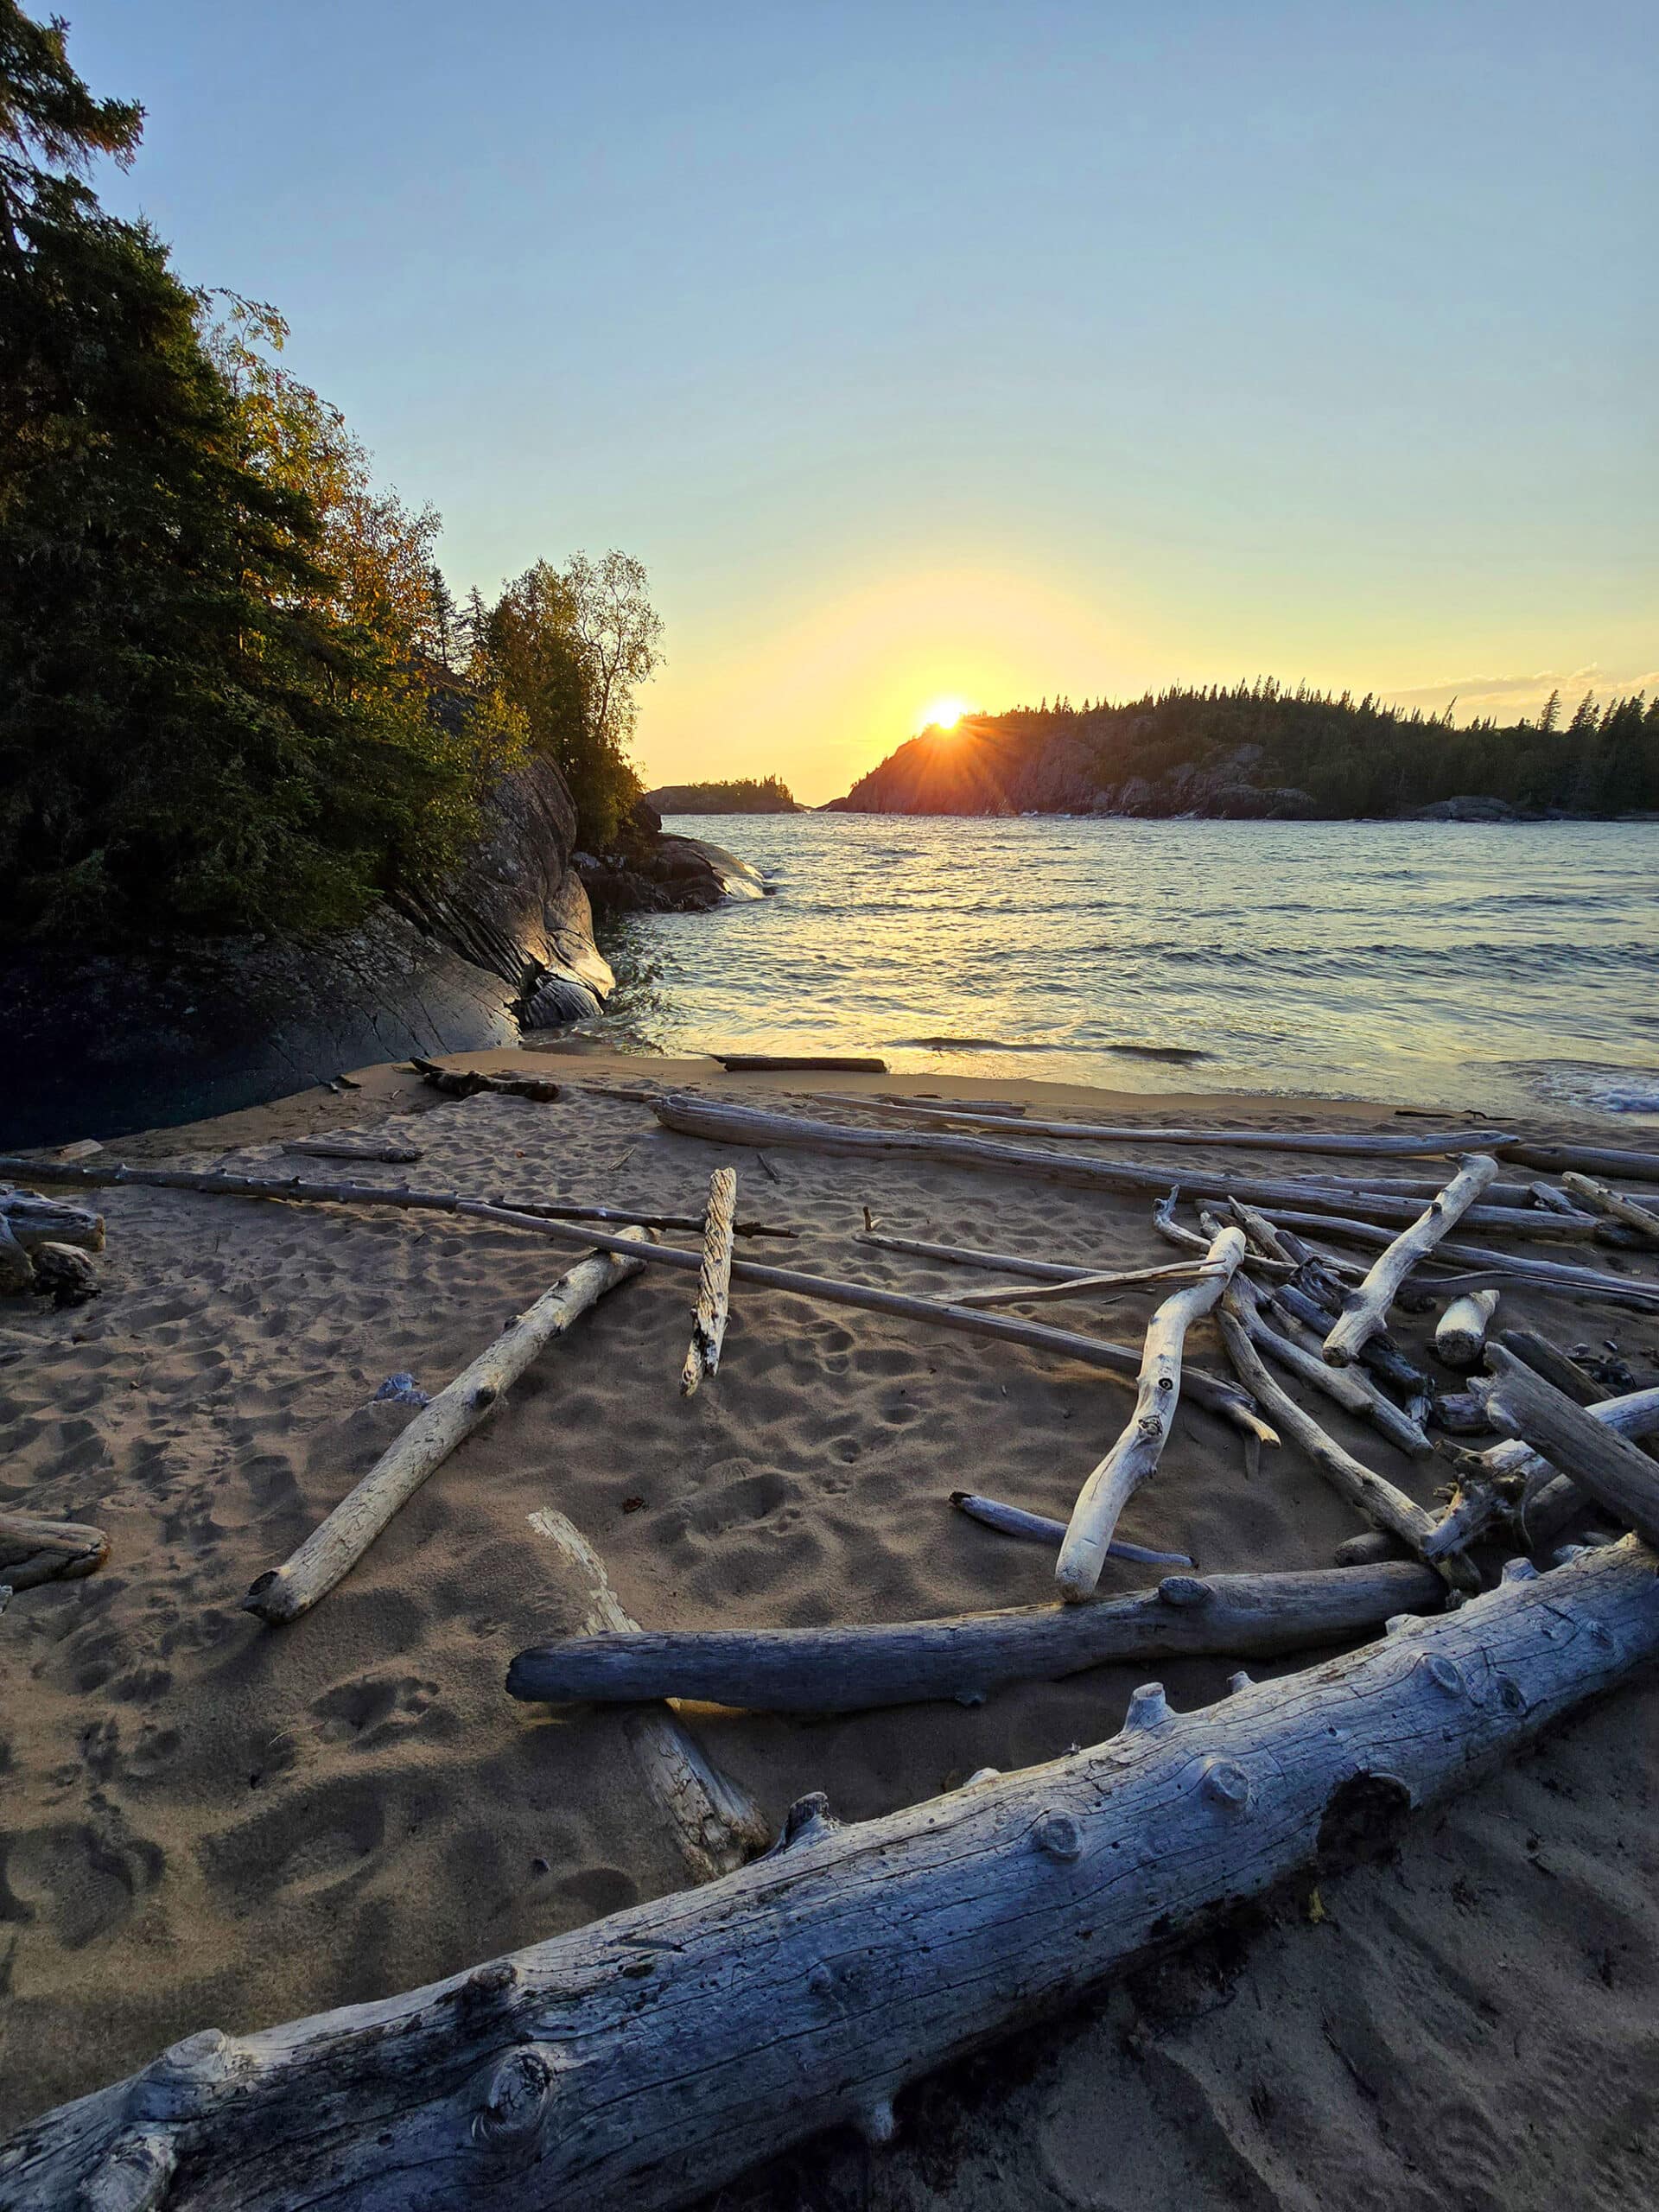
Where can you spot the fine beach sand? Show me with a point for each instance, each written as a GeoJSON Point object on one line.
{"type": "Point", "coordinates": [209, 1822]}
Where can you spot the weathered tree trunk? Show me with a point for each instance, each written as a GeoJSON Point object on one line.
{"type": "Point", "coordinates": [1548, 1360]}
{"type": "Point", "coordinates": [1038, 1528]}
{"type": "Point", "coordinates": [1558, 1274]}
{"type": "Point", "coordinates": [717, 1122]}
{"type": "Point", "coordinates": [467, 1082]}
{"type": "Point", "coordinates": [1135, 1454]}
{"type": "Point", "coordinates": [1460, 1332]}
{"type": "Point", "coordinates": [349, 1148]}
{"type": "Point", "coordinates": [35, 1220]}
{"type": "Point", "coordinates": [716, 1822]}
{"type": "Point", "coordinates": [1380, 1145]}
{"type": "Point", "coordinates": [1365, 1311]}
{"type": "Point", "coordinates": [333, 1549]}
{"type": "Point", "coordinates": [1372, 1495]}
{"type": "Point", "coordinates": [637, 2064]}
{"type": "Point", "coordinates": [1616, 1205]}
{"type": "Point", "coordinates": [713, 1282]}
{"type": "Point", "coordinates": [1592, 1452]}
{"type": "Point", "coordinates": [1506, 1467]}
{"type": "Point", "coordinates": [32, 1550]}
{"type": "Point", "coordinates": [1023, 1294]}
{"type": "Point", "coordinates": [967, 1655]}
{"type": "Point", "coordinates": [1589, 1158]}
{"type": "Point", "coordinates": [1347, 1387]}
{"type": "Point", "coordinates": [1211, 1391]}
{"type": "Point", "coordinates": [17, 1268]}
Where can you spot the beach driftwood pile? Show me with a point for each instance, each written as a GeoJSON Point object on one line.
{"type": "Point", "coordinates": [807, 1977]}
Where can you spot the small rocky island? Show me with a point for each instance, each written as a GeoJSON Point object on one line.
{"type": "Point", "coordinates": [747, 795]}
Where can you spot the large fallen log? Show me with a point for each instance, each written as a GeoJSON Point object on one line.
{"type": "Point", "coordinates": [1134, 1455]}
{"type": "Point", "coordinates": [1513, 1468]}
{"type": "Point", "coordinates": [333, 1547]}
{"type": "Point", "coordinates": [967, 1656]}
{"type": "Point", "coordinates": [1380, 1145]}
{"type": "Point", "coordinates": [717, 1122]}
{"type": "Point", "coordinates": [1213, 1392]}
{"type": "Point", "coordinates": [351, 1147]}
{"type": "Point", "coordinates": [33, 1219]}
{"type": "Point", "coordinates": [716, 1822]}
{"type": "Point", "coordinates": [1365, 1310]}
{"type": "Point", "coordinates": [1621, 1479]}
{"type": "Point", "coordinates": [713, 1282]}
{"type": "Point", "coordinates": [32, 1550]}
{"type": "Point", "coordinates": [636, 2064]}
{"type": "Point", "coordinates": [1588, 1159]}
{"type": "Point", "coordinates": [1371, 1495]}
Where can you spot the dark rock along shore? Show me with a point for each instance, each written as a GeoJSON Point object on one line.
{"type": "Point", "coordinates": [102, 1042]}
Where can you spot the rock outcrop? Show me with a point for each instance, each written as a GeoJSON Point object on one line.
{"type": "Point", "coordinates": [100, 1041]}
{"type": "Point", "coordinates": [654, 871]}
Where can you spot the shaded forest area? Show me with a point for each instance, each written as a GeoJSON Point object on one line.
{"type": "Point", "coordinates": [742, 795]}
{"type": "Point", "coordinates": [1261, 749]}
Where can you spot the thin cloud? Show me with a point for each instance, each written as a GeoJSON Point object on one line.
{"type": "Point", "coordinates": [1516, 695]}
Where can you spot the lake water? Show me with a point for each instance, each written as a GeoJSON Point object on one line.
{"type": "Point", "coordinates": [1427, 964]}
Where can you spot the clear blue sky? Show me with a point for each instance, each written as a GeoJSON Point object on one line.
{"type": "Point", "coordinates": [985, 349]}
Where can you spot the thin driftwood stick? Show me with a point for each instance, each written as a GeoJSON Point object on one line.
{"type": "Point", "coordinates": [1022, 1294]}
{"type": "Point", "coordinates": [1460, 1332]}
{"type": "Point", "coordinates": [1139, 1448]}
{"type": "Point", "coordinates": [332, 1548]}
{"type": "Point", "coordinates": [1345, 1141]}
{"type": "Point", "coordinates": [631, 1216]}
{"type": "Point", "coordinates": [716, 1122]}
{"type": "Point", "coordinates": [32, 1550]}
{"type": "Point", "coordinates": [1211, 1391]}
{"type": "Point", "coordinates": [716, 1823]}
{"type": "Point", "coordinates": [347, 1147]}
{"type": "Point", "coordinates": [1615, 1204]}
{"type": "Point", "coordinates": [1558, 1274]}
{"type": "Point", "coordinates": [967, 1655]}
{"type": "Point", "coordinates": [1553, 1363]}
{"type": "Point", "coordinates": [1594, 1453]}
{"type": "Point", "coordinates": [1348, 1387]}
{"type": "Point", "coordinates": [1365, 1311]}
{"type": "Point", "coordinates": [1372, 1495]}
{"type": "Point", "coordinates": [1546, 1195]}
{"type": "Point", "coordinates": [713, 1282]}
{"type": "Point", "coordinates": [1038, 1528]}
{"type": "Point", "coordinates": [639, 2063]}
{"type": "Point", "coordinates": [1009, 1264]}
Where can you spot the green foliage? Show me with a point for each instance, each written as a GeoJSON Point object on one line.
{"type": "Point", "coordinates": [566, 650]}
{"type": "Point", "coordinates": [743, 795]}
{"type": "Point", "coordinates": [1357, 758]}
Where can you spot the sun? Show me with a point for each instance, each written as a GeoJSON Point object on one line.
{"type": "Point", "coordinates": [942, 714]}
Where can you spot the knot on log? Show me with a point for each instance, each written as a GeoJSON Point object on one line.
{"type": "Point", "coordinates": [1057, 1835]}
{"type": "Point", "coordinates": [485, 1394]}
{"type": "Point", "coordinates": [1148, 1708]}
{"type": "Point", "coordinates": [133, 2177]}
{"type": "Point", "coordinates": [1397, 1622]}
{"type": "Point", "coordinates": [1510, 1695]}
{"type": "Point", "coordinates": [1445, 1673]}
{"type": "Point", "coordinates": [184, 2078]}
{"type": "Point", "coordinates": [1226, 1784]}
{"type": "Point", "coordinates": [488, 1982]}
{"type": "Point", "coordinates": [1518, 1570]}
{"type": "Point", "coordinates": [1184, 1590]}
{"type": "Point", "coordinates": [516, 2101]}
{"type": "Point", "coordinates": [809, 1820]}
{"type": "Point", "coordinates": [1240, 1680]}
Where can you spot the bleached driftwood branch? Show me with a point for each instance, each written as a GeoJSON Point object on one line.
{"type": "Point", "coordinates": [332, 1548]}
{"type": "Point", "coordinates": [33, 1219]}
{"type": "Point", "coordinates": [1460, 1332]}
{"type": "Point", "coordinates": [1547, 1359]}
{"type": "Point", "coordinates": [713, 1282]}
{"type": "Point", "coordinates": [1347, 1387]}
{"type": "Point", "coordinates": [32, 1550]}
{"type": "Point", "coordinates": [1365, 1311]}
{"type": "Point", "coordinates": [1589, 1158]}
{"type": "Point", "coordinates": [716, 1822]}
{"type": "Point", "coordinates": [1371, 1495]}
{"type": "Point", "coordinates": [1558, 1274]}
{"type": "Point", "coordinates": [1592, 1452]}
{"type": "Point", "coordinates": [1615, 1205]}
{"type": "Point", "coordinates": [1211, 1391]}
{"type": "Point", "coordinates": [1022, 1294]}
{"type": "Point", "coordinates": [1381, 1145]}
{"type": "Point", "coordinates": [967, 1655]}
{"type": "Point", "coordinates": [1040, 1528]}
{"type": "Point", "coordinates": [351, 1147]}
{"type": "Point", "coordinates": [716, 1122]}
{"type": "Point", "coordinates": [1139, 1448]}
{"type": "Point", "coordinates": [1507, 1467]}
{"type": "Point", "coordinates": [637, 2064]}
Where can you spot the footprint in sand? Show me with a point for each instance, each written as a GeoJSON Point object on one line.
{"type": "Point", "coordinates": [80, 1878]}
{"type": "Point", "coordinates": [372, 1712]}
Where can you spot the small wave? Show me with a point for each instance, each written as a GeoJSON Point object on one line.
{"type": "Point", "coordinates": [966, 1044]}
{"type": "Point", "coordinates": [1160, 1051]}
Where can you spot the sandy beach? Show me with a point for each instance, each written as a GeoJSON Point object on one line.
{"type": "Point", "coordinates": [211, 1822]}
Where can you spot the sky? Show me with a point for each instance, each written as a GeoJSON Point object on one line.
{"type": "Point", "coordinates": [970, 350]}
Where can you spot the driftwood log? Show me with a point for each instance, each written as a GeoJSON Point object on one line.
{"type": "Point", "coordinates": [1382, 1145]}
{"type": "Point", "coordinates": [65, 1272]}
{"type": "Point", "coordinates": [332, 1548]}
{"type": "Point", "coordinates": [1135, 1454]}
{"type": "Point", "coordinates": [1038, 1528]}
{"type": "Point", "coordinates": [718, 1122]}
{"type": "Point", "coordinates": [1366, 1309]}
{"type": "Point", "coordinates": [467, 1083]}
{"type": "Point", "coordinates": [1348, 1387]}
{"type": "Point", "coordinates": [788, 1063]}
{"type": "Point", "coordinates": [713, 1282]}
{"type": "Point", "coordinates": [631, 1216]}
{"type": "Point", "coordinates": [716, 1822]}
{"type": "Point", "coordinates": [1011, 1263]}
{"type": "Point", "coordinates": [637, 2064]}
{"type": "Point", "coordinates": [1100, 1286]}
{"type": "Point", "coordinates": [32, 1550]}
{"type": "Point", "coordinates": [1513, 1467]}
{"type": "Point", "coordinates": [33, 1219]}
{"type": "Point", "coordinates": [1212, 1391]}
{"type": "Point", "coordinates": [1616, 1205]}
{"type": "Point", "coordinates": [350, 1147]}
{"type": "Point", "coordinates": [1600, 1460]}
{"type": "Point", "coordinates": [1553, 1363]}
{"type": "Point", "coordinates": [1558, 1274]}
{"type": "Point", "coordinates": [1370, 1494]}
{"type": "Point", "coordinates": [967, 1656]}
{"type": "Point", "coordinates": [17, 1268]}
{"type": "Point", "coordinates": [1588, 1159]}
{"type": "Point", "coordinates": [1460, 1332]}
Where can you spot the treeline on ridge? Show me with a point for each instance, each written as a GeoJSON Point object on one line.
{"type": "Point", "coordinates": [741, 795]}
{"type": "Point", "coordinates": [235, 689]}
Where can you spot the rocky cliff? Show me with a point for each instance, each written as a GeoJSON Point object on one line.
{"type": "Point", "coordinates": [102, 1041]}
